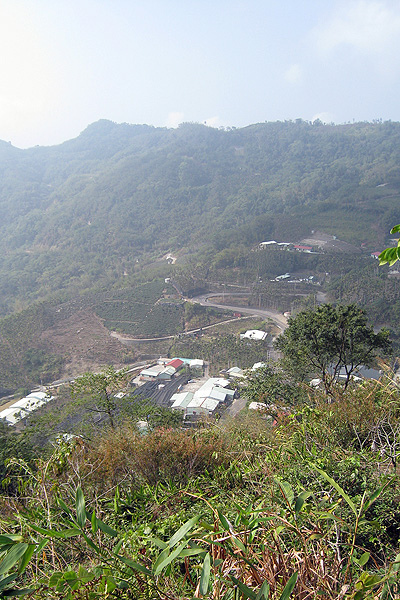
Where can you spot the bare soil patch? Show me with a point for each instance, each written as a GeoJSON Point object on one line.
{"type": "Point", "coordinates": [86, 343]}
{"type": "Point", "coordinates": [329, 243]}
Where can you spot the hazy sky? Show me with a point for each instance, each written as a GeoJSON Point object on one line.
{"type": "Point", "coordinates": [67, 63]}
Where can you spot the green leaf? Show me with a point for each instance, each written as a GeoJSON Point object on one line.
{"type": "Point", "coordinates": [161, 557]}
{"type": "Point", "coordinates": [205, 575]}
{"type": "Point", "coordinates": [376, 494]}
{"type": "Point", "coordinates": [159, 566]}
{"type": "Point", "coordinates": [90, 543]}
{"type": "Point", "coordinates": [40, 546]}
{"type": "Point", "coordinates": [26, 558]}
{"type": "Point", "coordinates": [238, 543]}
{"type": "Point", "coordinates": [300, 500]}
{"type": "Point", "coordinates": [289, 587]}
{"type": "Point", "coordinates": [52, 533]}
{"type": "Point", "coordinates": [80, 508]}
{"type": "Point", "coordinates": [62, 505]}
{"type": "Point", "coordinates": [246, 591]}
{"type": "Point", "coordinates": [84, 575]}
{"type": "Point", "coordinates": [134, 565]}
{"type": "Point", "coordinates": [20, 592]}
{"type": "Point", "coordinates": [110, 585]}
{"type": "Point", "coordinates": [193, 552]}
{"type": "Point", "coordinates": [73, 532]}
{"type": "Point", "coordinates": [124, 585]}
{"type": "Point", "coordinates": [176, 538]}
{"type": "Point", "coordinates": [263, 593]}
{"type": "Point", "coordinates": [286, 491]}
{"type": "Point", "coordinates": [206, 526]}
{"type": "Point", "coordinates": [93, 521]}
{"type": "Point", "coordinates": [338, 489]}
{"type": "Point", "coordinates": [55, 578]}
{"type": "Point", "coordinates": [117, 546]}
{"type": "Point", "coordinates": [5, 540]}
{"type": "Point", "coordinates": [159, 543]}
{"type": "Point", "coordinates": [364, 558]}
{"type": "Point", "coordinates": [4, 582]}
{"type": "Point", "coordinates": [12, 557]}
{"type": "Point", "coordinates": [72, 580]}
{"type": "Point", "coordinates": [106, 528]}
{"type": "Point", "coordinates": [224, 521]}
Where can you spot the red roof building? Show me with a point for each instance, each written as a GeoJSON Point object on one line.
{"type": "Point", "coordinates": [176, 363]}
{"type": "Point", "coordinates": [302, 247]}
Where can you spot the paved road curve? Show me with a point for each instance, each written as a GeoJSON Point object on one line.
{"type": "Point", "coordinates": [275, 316]}
{"type": "Point", "coordinates": [279, 320]}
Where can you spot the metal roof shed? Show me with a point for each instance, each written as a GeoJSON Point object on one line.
{"type": "Point", "coordinates": [38, 395]}
{"type": "Point", "coordinates": [177, 363]}
{"type": "Point", "coordinates": [167, 373]}
{"type": "Point", "coordinates": [196, 362]}
{"type": "Point", "coordinates": [152, 372]}
{"type": "Point", "coordinates": [210, 405]}
{"type": "Point", "coordinates": [202, 406]}
{"type": "Point", "coordinates": [13, 415]}
{"type": "Point", "coordinates": [235, 372]}
{"type": "Point", "coordinates": [181, 401]}
{"type": "Point", "coordinates": [217, 394]}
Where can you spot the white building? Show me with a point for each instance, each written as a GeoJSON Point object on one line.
{"type": "Point", "coordinates": [181, 401]}
{"type": "Point", "coordinates": [254, 334]}
{"type": "Point", "coordinates": [235, 372]}
{"type": "Point", "coordinates": [257, 406]}
{"type": "Point", "coordinates": [202, 406]}
{"type": "Point", "coordinates": [258, 365]}
{"type": "Point", "coordinates": [12, 415]}
{"type": "Point", "coordinates": [22, 408]}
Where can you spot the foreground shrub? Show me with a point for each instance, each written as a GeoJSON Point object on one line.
{"type": "Point", "coordinates": [164, 455]}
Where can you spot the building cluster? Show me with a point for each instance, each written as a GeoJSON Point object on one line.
{"type": "Point", "coordinates": [213, 395]}
{"type": "Point", "coordinates": [288, 245]}
{"type": "Point", "coordinates": [166, 369]}
{"type": "Point", "coordinates": [24, 407]}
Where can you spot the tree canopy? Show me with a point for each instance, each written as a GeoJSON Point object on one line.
{"type": "Point", "coordinates": [391, 255]}
{"type": "Point", "coordinates": [332, 342]}
{"type": "Point", "coordinates": [101, 387]}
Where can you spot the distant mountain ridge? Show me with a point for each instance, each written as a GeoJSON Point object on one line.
{"type": "Point", "coordinates": [86, 210]}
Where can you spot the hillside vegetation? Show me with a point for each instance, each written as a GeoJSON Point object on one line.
{"type": "Point", "coordinates": [91, 229]}
{"type": "Point", "coordinates": [301, 506]}
{"type": "Point", "coordinates": [81, 214]}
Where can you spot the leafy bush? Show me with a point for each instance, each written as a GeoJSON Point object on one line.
{"type": "Point", "coordinates": [161, 456]}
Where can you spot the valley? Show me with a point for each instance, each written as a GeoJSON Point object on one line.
{"type": "Point", "coordinates": [193, 309]}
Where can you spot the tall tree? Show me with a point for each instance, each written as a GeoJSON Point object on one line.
{"type": "Point", "coordinates": [101, 387]}
{"type": "Point", "coordinates": [330, 341]}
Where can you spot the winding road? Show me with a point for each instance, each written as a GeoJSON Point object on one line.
{"type": "Point", "coordinates": [279, 320]}
{"type": "Point", "coordinates": [274, 315]}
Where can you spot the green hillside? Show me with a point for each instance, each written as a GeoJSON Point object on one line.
{"type": "Point", "coordinates": [91, 221]}
{"type": "Point", "coordinates": [82, 213]}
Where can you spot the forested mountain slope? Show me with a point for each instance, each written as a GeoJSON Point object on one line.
{"type": "Point", "coordinates": [82, 213]}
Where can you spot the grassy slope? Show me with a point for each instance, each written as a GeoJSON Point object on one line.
{"type": "Point", "coordinates": [272, 501]}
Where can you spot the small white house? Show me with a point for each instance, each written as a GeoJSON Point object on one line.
{"type": "Point", "coordinates": [258, 365]}
{"type": "Point", "coordinates": [257, 406]}
{"type": "Point", "coordinates": [254, 334]}
{"type": "Point", "coordinates": [235, 372]}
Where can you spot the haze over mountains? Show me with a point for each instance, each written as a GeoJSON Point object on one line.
{"type": "Point", "coordinates": [89, 208]}
{"type": "Point", "coordinates": [93, 212]}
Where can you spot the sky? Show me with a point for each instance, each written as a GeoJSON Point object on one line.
{"type": "Point", "coordinates": [67, 63]}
